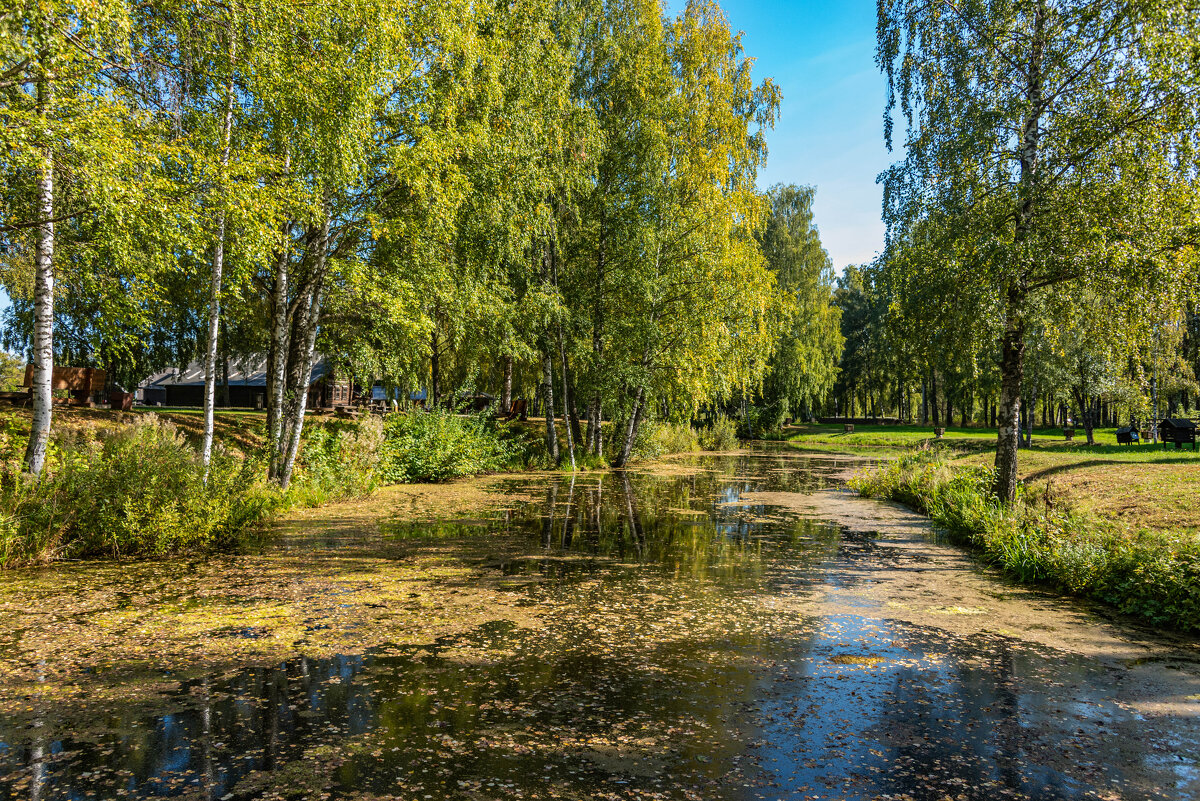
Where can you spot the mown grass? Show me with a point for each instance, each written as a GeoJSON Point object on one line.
{"type": "Point", "coordinates": [1143, 486]}
{"type": "Point", "coordinates": [1047, 540]}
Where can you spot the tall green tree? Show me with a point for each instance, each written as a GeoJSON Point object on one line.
{"type": "Point", "coordinates": [1047, 137]}
{"type": "Point", "coordinates": [804, 367]}
{"type": "Point", "coordinates": [86, 202]}
{"type": "Point", "coordinates": [702, 314]}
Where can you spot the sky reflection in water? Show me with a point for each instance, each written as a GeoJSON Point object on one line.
{"type": "Point", "coordinates": [678, 661]}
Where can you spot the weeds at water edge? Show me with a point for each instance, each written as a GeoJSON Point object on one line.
{"type": "Point", "coordinates": [1040, 539]}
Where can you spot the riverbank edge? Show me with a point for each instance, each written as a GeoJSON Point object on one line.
{"type": "Point", "coordinates": [261, 505]}
{"type": "Point", "coordinates": [1044, 541]}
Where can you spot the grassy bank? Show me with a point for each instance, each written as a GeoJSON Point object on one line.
{"type": "Point", "coordinates": [134, 485]}
{"type": "Point", "coordinates": [131, 484]}
{"type": "Point", "coordinates": [1142, 486]}
{"type": "Point", "coordinates": [1046, 539]}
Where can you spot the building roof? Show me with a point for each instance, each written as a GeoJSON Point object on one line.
{"type": "Point", "coordinates": [246, 374]}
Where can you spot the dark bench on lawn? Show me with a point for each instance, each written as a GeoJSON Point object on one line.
{"type": "Point", "coordinates": [1178, 430]}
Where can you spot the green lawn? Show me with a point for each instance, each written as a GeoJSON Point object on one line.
{"type": "Point", "coordinates": [1145, 485]}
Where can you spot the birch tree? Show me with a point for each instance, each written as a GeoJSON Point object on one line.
{"type": "Point", "coordinates": [804, 367]}
{"type": "Point", "coordinates": [218, 249]}
{"type": "Point", "coordinates": [702, 314]}
{"type": "Point", "coordinates": [1047, 134]}
{"type": "Point", "coordinates": [68, 141]}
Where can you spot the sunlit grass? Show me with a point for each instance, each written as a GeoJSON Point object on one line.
{"type": "Point", "coordinates": [1143, 485]}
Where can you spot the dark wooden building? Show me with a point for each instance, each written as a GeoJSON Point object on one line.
{"type": "Point", "coordinates": [247, 386]}
{"type": "Point", "coordinates": [84, 385]}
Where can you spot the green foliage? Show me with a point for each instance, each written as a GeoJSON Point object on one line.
{"type": "Point", "coordinates": [439, 446]}
{"type": "Point", "coordinates": [674, 438]}
{"type": "Point", "coordinates": [1049, 152]}
{"type": "Point", "coordinates": [761, 422]}
{"type": "Point", "coordinates": [1153, 575]}
{"type": "Point", "coordinates": [720, 436]}
{"type": "Point", "coordinates": [140, 491]}
{"type": "Point", "coordinates": [12, 372]}
{"type": "Point", "coordinates": [338, 460]}
{"type": "Point", "coordinates": [804, 366]}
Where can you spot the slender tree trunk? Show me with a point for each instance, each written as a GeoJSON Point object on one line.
{"type": "Point", "coordinates": [573, 406]}
{"type": "Point", "coordinates": [302, 346]}
{"type": "Point", "coordinates": [218, 267]}
{"type": "Point", "coordinates": [1012, 368]}
{"type": "Point", "coordinates": [567, 402]}
{"type": "Point", "coordinates": [1089, 421]}
{"type": "Point", "coordinates": [933, 398]}
{"type": "Point", "coordinates": [548, 391]}
{"type": "Point", "coordinates": [1087, 412]}
{"type": "Point", "coordinates": [506, 388]}
{"type": "Point", "coordinates": [924, 400]}
{"type": "Point", "coordinates": [43, 290]}
{"type": "Point", "coordinates": [595, 441]}
{"type": "Point", "coordinates": [1029, 408]}
{"type": "Point", "coordinates": [593, 424]}
{"type": "Point", "coordinates": [1012, 359]}
{"type": "Point", "coordinates": [277, 351]}
{"type": "Point", "coordinates": [635, 418]}
{"type": "Point", "coordinates": [434, 369]}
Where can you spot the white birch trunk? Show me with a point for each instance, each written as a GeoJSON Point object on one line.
{"type": "Point", "coordinates": [43, 298]}
{"type": "Point", "coordinates": [218, 267]}
{"type": "Point", "coordinates": [277, 359]}
{"type": "Point", "coordinates": [312, 322]}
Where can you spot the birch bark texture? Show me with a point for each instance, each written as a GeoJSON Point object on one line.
{"type": "Point", "coordinates": [302, 349]}
{"type": "Point", "coordinates": [43, 286]}
{"type": "Point", "coordinates": [218, 262]}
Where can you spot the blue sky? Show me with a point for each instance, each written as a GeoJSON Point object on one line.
{"type": "Point", "coordinates": [830, 129]}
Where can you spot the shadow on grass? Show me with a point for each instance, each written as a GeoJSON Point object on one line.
{"type": "Point", "coordinates": [1062, 469]}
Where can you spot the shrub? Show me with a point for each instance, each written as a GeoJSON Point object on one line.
{"type": "Point", "coordinates": [649, 442]}
{"type": "Point", "coordinates": [761, 421]}
{"type": "Point", "coordinates": [338, 460]}
{"type": "Point", "coordinates": [720, 436]}
{"type": "Point", "coordinates": [439, 446]}
{"type": "Point", "coordinates": [1153, 575]}
{"type": "Point", "coordinates": [138, 491]}
{"type": "Point", "coordinates": [674, 438]}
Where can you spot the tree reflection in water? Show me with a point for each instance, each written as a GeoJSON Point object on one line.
{"type": "Point", "coordinates": [682, 655]}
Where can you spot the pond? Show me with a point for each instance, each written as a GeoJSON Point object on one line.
{"type": "Point", "coordinates": [720, 627]}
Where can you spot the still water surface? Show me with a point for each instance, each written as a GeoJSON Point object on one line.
{"type": "Point", "coordinates": [697, 642]}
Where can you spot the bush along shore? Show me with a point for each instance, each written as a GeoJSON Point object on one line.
{"type": "Point", "coordinates": [1153, 575]}
{"type": "Point", "coordinates": [140, 488]}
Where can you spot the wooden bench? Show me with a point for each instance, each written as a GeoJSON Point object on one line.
{"type": "Point", "coordinates": [519, 409]}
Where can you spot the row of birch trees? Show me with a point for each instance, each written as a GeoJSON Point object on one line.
{"type": "Point", "coordinates": [550, 195]}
